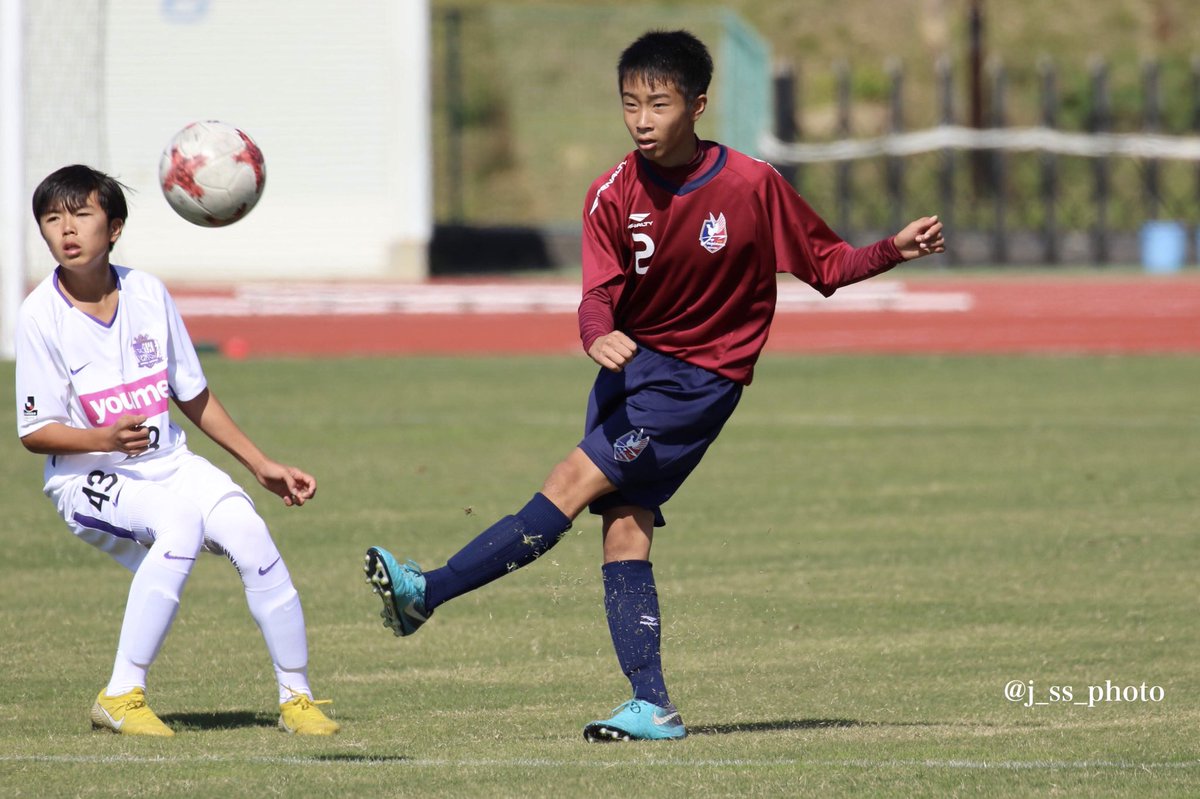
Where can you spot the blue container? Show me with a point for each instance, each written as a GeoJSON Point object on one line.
{"type": "Point", "coordinates": [1164, 246]}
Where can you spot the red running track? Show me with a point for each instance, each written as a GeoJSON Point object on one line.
{"type": "Point", "coordinates": [1102, 314]}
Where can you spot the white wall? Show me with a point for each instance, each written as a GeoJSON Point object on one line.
{"type": "Point", "coordinates": [335, 94]}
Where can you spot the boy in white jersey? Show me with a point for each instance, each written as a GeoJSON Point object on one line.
{"type": "Point", "coordinates": [101, 351]}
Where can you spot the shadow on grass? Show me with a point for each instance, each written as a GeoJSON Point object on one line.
{"type": "Point", "coordinates": [223, 720]}
{"type": "Point", "coordinates": [794, 724]}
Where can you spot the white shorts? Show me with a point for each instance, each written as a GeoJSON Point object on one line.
{"type": "Point", "coordinates": [95, 505]}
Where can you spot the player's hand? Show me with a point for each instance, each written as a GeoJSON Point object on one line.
{"type": "Point", "coordinates": [613, 350]}
{"type": "Point", "coordinates": [920, 237]}
{"type": "Point", "coordinates": [296, 487]}
{"type": "Point", "coordinates": [127, 435]}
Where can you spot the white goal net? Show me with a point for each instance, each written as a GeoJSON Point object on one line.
{"type": "Point", "coordinates": [51, 104]}
{"type": "Point", "coordinates": [335, 94]}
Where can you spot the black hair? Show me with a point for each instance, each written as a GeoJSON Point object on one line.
{"type": "Point", "coordinates": [668, 57]}
{"type": "Point", "coordinates": [69, 188]}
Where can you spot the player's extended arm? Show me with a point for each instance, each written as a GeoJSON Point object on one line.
{"type": "Point", "coordinates": [920, 237]}
{"type": "Point", "coordinates": [124, 435]}
{"type": "Point", "coordinates": [207, 413]}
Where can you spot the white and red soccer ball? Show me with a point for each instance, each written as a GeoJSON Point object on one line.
{"type": "Point", "coordinates": [211, 173]}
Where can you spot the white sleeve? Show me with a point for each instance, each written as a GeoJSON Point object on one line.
{"type": "Point", "coordinates": [43, 389]}
{"type": "Point", "coordinates": [184, 373]}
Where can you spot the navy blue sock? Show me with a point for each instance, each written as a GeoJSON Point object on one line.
{"type": "Point", "coordinates": [506, 546]}
{"type": "Point", "coordinates": [631, 602]}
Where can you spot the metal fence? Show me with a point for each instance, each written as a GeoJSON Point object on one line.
{"type": "Point", "coordinates": [1005, 207]}
{"type": "Point", "coordinates": [526, 115]}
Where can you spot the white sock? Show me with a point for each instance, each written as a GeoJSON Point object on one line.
{"type": "Point", "coordinates": [235, 527]}
{"type": "Point", "coordinates": [154, 596]}
{"type": "Point", "coordinates": [281, 619]}
{"type": "Point", "coordinates": [148, 617]}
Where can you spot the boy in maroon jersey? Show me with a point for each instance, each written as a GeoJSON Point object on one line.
{"type": "Point", "coordinates": [682, 241]}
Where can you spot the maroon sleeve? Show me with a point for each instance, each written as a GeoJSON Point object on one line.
{"type": "Point", "coordinates": [595, 316]}
{"type": "Point", "coordinates": [603, 262]}
{"type": "Point", "coordinates": [806, 247]}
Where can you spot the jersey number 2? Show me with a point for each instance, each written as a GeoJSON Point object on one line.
{"type": "Point", "coordinates": [642, 254]}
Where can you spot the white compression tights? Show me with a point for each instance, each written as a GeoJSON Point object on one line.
{"type": "Point", "coordinates": [178, 530]}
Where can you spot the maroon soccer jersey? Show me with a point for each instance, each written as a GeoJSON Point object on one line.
{"type": "Point", "coordinates": [684, 261]}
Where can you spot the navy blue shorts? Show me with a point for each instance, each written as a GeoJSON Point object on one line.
{"type": "Point", "coordinates": [649, 425]}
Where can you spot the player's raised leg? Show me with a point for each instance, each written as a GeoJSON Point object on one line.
{"type": "Point", "coordinates": [635, 624]}
{"type": "Point", "coordinates": [410, 595]}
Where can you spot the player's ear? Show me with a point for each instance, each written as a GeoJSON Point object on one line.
{"type": "Point", "coordinates": [115, 227]}
{"type": "Point", "coordinates": [698, 106]}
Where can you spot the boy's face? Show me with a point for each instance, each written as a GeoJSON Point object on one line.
{"type": "Point", "coordinates": [79, 240]}
{"type": "Point", "coordinates": [661, 122]}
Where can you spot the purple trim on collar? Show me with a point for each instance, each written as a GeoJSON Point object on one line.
{"type": "Point", "coordinates": [116, 277]}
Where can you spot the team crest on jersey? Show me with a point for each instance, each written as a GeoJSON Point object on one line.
{"type": "Point", "coordinates": [712, 233]}
{"type": "Point", "coordinates": [147, 352]}
{"type": "Point", "coordinates": [629, 446]}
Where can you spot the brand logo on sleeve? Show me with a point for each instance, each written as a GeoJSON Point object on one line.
{"type": "Point", "coordinates": [639, 220]}
{"type": "Point", "coordinates": [30, 407]}
{"type": "Point", "coordinates": [713, 235]}
{"type": "Point", "coordinates": [611, 179]}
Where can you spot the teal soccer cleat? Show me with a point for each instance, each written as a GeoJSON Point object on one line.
{"type": "Point", "coordinates": [637, 720]}
{"type": "Point", "coordinates": [402, 589]}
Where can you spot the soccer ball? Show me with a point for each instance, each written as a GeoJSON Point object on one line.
{"type": "Point", "coordinates": [211, 173]}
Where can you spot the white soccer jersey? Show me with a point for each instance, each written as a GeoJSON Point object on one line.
{"type": "Point", "coordinates": [75, 369]}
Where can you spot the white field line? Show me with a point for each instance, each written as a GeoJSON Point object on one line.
{"type": "Point", "coordinates": [341, 759]}
{"type": "Point", "coordinates": [264, 299]}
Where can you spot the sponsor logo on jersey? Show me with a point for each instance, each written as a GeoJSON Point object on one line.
{"type": "Point", "coordinates": [149, 396]}
{"type": "Point", "coordinates": [30, 407]}
{"type": "Point", "coordinates": [712, 234]}
{"type": "Point", "coordinates": [611, 179]}
{"type": "Point", "coordinates": [147, 352]}
{"type": "Point", "coordinates": [629, 446]}
{"type": "Point", "coordinates": [639, 220]}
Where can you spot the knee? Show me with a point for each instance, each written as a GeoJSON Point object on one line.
{"type": "Point", "coordinates": [240, 534]}
{"type": "Point", "coordinates": [171, 519]}
{"type": "Point", "coordinates": [184, 523]}
{"type": "Point", "coordinates": [575, 482]}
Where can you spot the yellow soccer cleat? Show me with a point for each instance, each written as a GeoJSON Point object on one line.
{"type": "Point", "coordinates": [301, 716]}
{"type": "Point", "coordinates": [128, 714]}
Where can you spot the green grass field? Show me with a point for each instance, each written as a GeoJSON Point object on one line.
{"type": "Point", "coordinates": [872, 551]}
